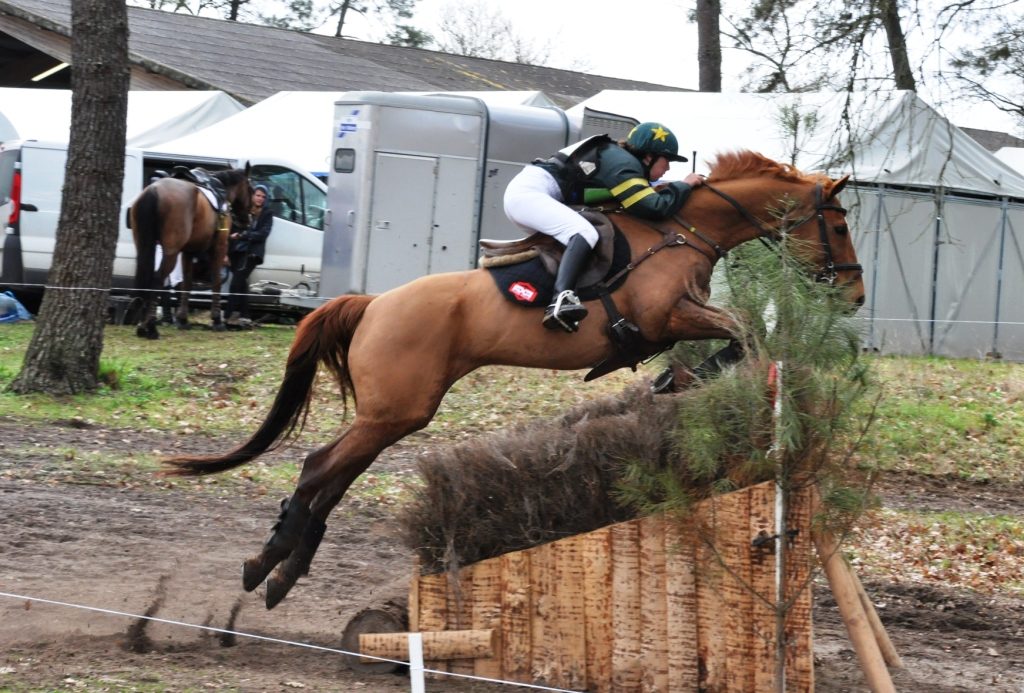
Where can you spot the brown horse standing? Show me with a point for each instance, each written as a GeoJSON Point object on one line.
{"type": "Point", "coordinates": [175, 214]}
{"type": "Point", "coordinates": [398, 353]}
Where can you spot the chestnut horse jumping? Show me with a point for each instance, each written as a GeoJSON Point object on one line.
{"type": "Point", "coordinates": [398, 353]}
{"type": "Point", "coordinates": [176, 215]}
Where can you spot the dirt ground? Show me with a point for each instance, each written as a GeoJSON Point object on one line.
{"type": "Point", "coordinates": [175, 554]}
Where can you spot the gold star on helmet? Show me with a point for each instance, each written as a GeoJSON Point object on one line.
{"type": "Point", "coordinates": [659, 133]}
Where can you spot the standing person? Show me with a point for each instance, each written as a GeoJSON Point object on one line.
{"type": "Point", "coordinates": [537, 198]}
{"type": "Point", "coordinates": [245, 253]}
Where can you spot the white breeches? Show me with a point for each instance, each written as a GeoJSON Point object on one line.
{"type": "Point", "coordinates": [534, 203]}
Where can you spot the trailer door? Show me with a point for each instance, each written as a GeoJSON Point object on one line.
{"type": "Point", "coordinates": [401, 220]}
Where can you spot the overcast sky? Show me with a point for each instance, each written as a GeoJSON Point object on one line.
{"type": "Point", "coordinates": [646, 40]}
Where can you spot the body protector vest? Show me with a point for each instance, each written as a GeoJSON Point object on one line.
{"type": "Point", "coordinates": [574, 167]}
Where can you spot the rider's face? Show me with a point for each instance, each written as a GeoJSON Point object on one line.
{"type": "Point", "coordinates": [659, 167]}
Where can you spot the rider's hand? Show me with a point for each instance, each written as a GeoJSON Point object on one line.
{"type": "Point", "coordinates": [694, 180]}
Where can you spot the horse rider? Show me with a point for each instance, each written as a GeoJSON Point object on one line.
{"type": "Point", "coordinates": [537, 198]}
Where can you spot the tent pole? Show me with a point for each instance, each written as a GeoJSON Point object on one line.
{"type": "Point", "coordinates": [1004, 207]}
{"type": "Point", "coordinates": [939, 199]}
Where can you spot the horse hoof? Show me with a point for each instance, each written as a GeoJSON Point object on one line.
{"type": "Point", "coordinates": [278, 586]}
{"type": "Point", "coordinates": [183, 325]}
{"type": "Point", "coordinates": [219, 327]}
{"type": "Point", "coordinates": [254, 572]}
{"type": "Point", "coordinates": [147, 332]}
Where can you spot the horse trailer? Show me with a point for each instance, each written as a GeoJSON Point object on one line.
{"type": "Point", "coordinates": [417, 179]}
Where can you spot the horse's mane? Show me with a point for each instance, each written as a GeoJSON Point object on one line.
{"type": "Point", "coordinates": [230, 177]}
{"type": "Point", "coordinates": [747, 164]}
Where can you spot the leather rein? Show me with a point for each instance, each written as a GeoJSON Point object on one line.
{"type": "Point", "coordinates": [830, 270]}
{"type": "Point", "coordinates": [828, 274]}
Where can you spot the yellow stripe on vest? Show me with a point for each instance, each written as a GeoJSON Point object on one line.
{"type": "Point", "coordinates": [627, 184]}
{"type": "Point", "coordinates": [636, 197]}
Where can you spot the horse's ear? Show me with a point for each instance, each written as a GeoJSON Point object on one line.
{"type": "Point", "coordinates": [248, 167]}
{"type": "Point", "coordinates": [838, 185]}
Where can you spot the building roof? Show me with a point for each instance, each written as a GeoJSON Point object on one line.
{"type": "Point", "coordinates": [250, 62]}
{"type": "Point", "coordinates": [993, 140]}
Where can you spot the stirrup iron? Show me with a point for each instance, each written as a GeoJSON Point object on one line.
{"type": "Point", "coordinates": [565, 302]}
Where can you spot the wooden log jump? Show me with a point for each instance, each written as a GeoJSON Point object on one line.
{"type": "Point", "coordinates": [644, 605]}
{"type": "Point", "coordinates": [649, 605]}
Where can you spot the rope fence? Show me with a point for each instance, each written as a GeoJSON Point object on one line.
{"type": "Point", "coordinates": [117, 291]}
{"type": "Point", "coordinates": [416, 668]}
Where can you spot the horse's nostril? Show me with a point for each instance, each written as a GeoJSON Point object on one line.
{"type": "Point", "coordinates": [860, 301]}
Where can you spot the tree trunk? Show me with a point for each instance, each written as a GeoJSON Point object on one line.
{"type": "Point", "coordinates": [709, 45]}
{"type": "Point", "coordinates": [64, 352]}
{"type": "Point", "coordinates": [901, 72]}
{"type": "Point", "coordinates": [342, 10]}
{"type": "Point", "coordinates": [233, 7]}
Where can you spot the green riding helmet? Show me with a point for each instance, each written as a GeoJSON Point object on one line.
{"type": "Point", "coordinates": [656, 139]}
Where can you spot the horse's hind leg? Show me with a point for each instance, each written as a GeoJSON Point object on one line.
{"type": "Point", "coordinates": [185, 288]}
{"type": "Point", "coordinates": [326, 475]}
{"type": "Point", "coordinates": [298, 561]}
{"type": "Point", "coordinates": [146, 327]}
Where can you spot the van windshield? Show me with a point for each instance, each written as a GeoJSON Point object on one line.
{"type": "Point", "coordinates": [292, 197]}
{"type": "Point", "coordinates": [8, 160]}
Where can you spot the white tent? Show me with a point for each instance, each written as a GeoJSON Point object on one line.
{"type": "Point", "coordinates": [153, 116]}
{"type": "Point", "coordinates": [938, 220]}
{"type": "Point", "coordinates": [1012, 157]}
{"type": "Point", "coordinates": [296, 125]}
{"type": "Point", "coordinates": [885, 137]}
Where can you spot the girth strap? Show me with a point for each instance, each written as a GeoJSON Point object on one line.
{"type": "Point", "coordinates": [622, 332]}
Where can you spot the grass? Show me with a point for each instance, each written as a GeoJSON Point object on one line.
{"type": "Point", "coordinates": [200, 381]}
{"type": "Point", "coordinates": [949, 417]}
{"type": "Point", "coordinates": [224, 382]}
{"type": "Point", "coordinates": [941, 417]}
{"type": "Point", "coordinates": [937, 416]}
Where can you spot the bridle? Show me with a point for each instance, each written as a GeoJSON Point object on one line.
{"type": "Point", "coordinates": [830, 269]}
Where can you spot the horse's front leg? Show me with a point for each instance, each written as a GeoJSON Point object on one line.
{"type": "Point", "coordinates": [690, 320]}
{"type": "Point", "coordinates": [215, 314]}
{"type": "Point", "coordinates": [220, 249]}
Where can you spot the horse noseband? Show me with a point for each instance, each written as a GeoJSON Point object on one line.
{"type": "Point", "coordinates": [830, 271]}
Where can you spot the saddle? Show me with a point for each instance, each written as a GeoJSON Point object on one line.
{"type": "Point", "coordinates": [496, 253]}
{"type": "Point", "coordinates": [524, 271]}
{"type": "Point", "coordinates": [205, 181]}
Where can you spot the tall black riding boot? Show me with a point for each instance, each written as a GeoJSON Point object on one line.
{"type": "Point", "coordinates": [566, 311]}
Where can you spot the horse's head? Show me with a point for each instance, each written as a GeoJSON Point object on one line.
{"type": "Point", "coordinates": [805, 207]}
{"type": "Point", "coordinates": [239, 189]}
{"type": "Point", "coordinates": [837, 257]}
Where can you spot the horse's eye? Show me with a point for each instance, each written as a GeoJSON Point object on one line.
{"type": "Point", "coordinates": [841, 229]}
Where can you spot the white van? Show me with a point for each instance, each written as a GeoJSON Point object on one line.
{"type": "Point", "coordinates": [32, 178]}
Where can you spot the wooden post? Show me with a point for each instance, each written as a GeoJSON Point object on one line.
{"type": "Point", "coordinates": [889, 653]}
{"type": "Point", "coordinates": [852, 610]}
{"type": "Point", "coordinates": [439, 645]}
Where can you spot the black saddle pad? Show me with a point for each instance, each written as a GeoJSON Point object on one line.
{"type": "Point", "coordinates": [530, 284]}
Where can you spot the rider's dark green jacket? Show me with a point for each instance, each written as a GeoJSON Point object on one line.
{"type": "Point", "coordinates": [625, 177]}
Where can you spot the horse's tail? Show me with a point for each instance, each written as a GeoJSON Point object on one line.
{"type": "Point", "coordinates": [146, 224]}
{"type": "Point", "coordinates": [323, 336]}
